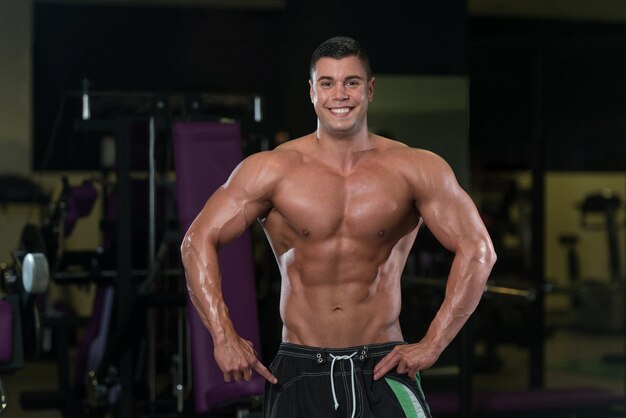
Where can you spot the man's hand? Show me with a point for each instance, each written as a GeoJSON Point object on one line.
{"type": "Point", "coordinates": [237, 358]}
{"type": "Point", "coordinates": [408, 358]}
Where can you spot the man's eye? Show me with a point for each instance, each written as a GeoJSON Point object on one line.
{"type": "Point", "coordinates": [353, 83]}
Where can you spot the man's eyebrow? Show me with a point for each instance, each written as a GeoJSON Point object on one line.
{"type": "Point", "coordinates": [350, 77]}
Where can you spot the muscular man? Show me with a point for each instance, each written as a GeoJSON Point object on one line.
{"type": "Point", "coordinates": [341, 208]}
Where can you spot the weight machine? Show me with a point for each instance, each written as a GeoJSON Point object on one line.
{"type": "Point", "coordinates": [597, 302]}
{"type": "Point", "coordinates": [116, 362]}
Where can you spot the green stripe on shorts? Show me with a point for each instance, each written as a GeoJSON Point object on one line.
{"type": "Point", "coordinates": [407, 399]}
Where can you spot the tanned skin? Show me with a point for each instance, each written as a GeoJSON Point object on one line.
{"type": "Point", "coordinates": [341, 208]}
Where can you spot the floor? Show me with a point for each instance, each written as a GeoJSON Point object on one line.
{"type": "Point", "coordinates": [573, 359]}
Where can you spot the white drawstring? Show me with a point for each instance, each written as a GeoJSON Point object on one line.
{"type": "Point", "coordinates": [332, 380]}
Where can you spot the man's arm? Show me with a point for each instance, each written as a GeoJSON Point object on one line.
{"type": "Point", "coordinates": [225, 216]}
{"type": "Point", "coordinates": [452, 217]}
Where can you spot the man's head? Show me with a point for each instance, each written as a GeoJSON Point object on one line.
{"type": "Point", "coordinates": [340, 47]}
{"type": "Point", "coordinates": [341, 86]}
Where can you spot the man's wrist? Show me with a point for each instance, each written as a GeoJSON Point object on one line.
{"type": "Point", "coordinates": [223, 335]}
{"type": "Point", "coordinates": [434, 344]}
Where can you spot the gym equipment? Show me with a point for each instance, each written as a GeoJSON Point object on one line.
{"type": "Point", "coordinates": [6, 345]}
{"type": "Point", "coordinates": [3, 398]}
{"type": "Point", "coordinates": [92, 389]}
{"type": "Point", "coordinates": [17, 293]}
{"type": "Point", "coordinates": [30, 276]}
{"type": "Point", "coordinates": [73, 203]}
{"type": "Point", "coordinates": [602, 301]}
{"type": "Point", "coordinates": [35, 273]}
{"type": "Point", "coordinates": [585, 402]}
{"type": "Point", "coordinates": [19, 189]}
{"type": "Point", "coordinates": [6, 327]}
{"type": "Point", "coordinates": [204, 155]}
{"type": "Point", "coordinates": [117, 349]}
{"type": "Point", "coordinates": [597, 303]}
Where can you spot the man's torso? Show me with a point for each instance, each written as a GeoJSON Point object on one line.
{"type": "Point", "coordinates": [341, 238]}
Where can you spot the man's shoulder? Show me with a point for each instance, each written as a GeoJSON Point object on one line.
{"type": "Point", "coordinates": [419, 166]}
{"type": "Point", "coordinates": [276, 160]}
{"type": "Point", "coordinates": [294, 146]}
{"type": "Point", "coordinates": [288, 153]}
{"type": "Point", "coordinates": [404, 153]}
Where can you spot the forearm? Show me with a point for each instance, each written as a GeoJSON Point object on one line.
{"type": "Point", "coordinates": [204, 287]}
{"type": "Point", "coordinates": [468, 275]}
{"type": "Point", "coordinates": [466, 282]}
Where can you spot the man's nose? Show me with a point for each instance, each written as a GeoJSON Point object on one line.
{"type": "Point", "coordinates": [340, 92]}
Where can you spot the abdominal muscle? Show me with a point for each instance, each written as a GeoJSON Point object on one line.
{"type": "Point", "coordinates": [325, 321]}
{"type": "Point", "coordinates": [339, 300]}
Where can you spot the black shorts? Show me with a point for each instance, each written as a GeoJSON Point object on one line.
{"type": "Point", "coordinates": [305, 388]}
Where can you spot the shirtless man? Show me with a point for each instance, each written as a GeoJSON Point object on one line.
{"type": "Point", "coordinates": [341, 208]}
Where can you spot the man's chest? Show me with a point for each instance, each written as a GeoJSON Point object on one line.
{"type": "Point", "coordinates": [369, 201]}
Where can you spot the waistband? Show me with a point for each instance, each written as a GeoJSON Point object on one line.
{"type": "Point", "coordinates": [323, 354]}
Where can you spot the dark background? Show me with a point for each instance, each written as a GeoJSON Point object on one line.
{"type": "Point", "coordinates": [561, 81]}
{"type": "Point", "coordinates": [201, 50]}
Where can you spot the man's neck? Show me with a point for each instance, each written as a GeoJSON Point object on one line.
{"type": "Point", "coordinates": [342, 151]}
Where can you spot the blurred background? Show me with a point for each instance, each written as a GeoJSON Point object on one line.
{"type": "Point", "coordinates": [525, 100]}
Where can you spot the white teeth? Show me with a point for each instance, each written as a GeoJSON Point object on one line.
{"type": "Point", "coordinates": [340, 110]}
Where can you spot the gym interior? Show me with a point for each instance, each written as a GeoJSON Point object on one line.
{"type": "Point", "coordinates": [119, 117]}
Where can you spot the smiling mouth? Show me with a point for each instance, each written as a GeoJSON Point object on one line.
{"type": "Point", "coordinates": [340, 110]}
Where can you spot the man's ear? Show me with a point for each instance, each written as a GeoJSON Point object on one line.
{"type": "Point", "coordinates": [370, 89]}
{"type": "Point", "coordinates": [311, 94]}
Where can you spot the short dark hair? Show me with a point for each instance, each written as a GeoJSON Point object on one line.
{"type": "Point", "coordinates": [339, 47]}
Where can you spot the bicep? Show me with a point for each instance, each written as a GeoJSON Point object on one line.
{"type": "Point", "coordinates": [452, 217]}
{"type": "Point", "coordinates": [235, 205]}
{"type": "Point", "coordinates": [446, 209]}
{"type": "Point", "coordinates": [225, 216]}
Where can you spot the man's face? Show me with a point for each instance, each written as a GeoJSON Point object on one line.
{"type": "Point", "coordinates": [340, 93]}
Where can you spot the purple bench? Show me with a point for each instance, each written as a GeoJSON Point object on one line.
{"type": "Point", "coordinates": [6, 332]}
{"type": "Point", "coordinates": [205, 153]}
